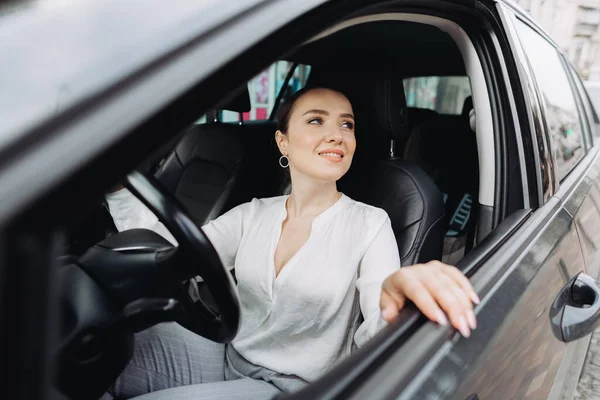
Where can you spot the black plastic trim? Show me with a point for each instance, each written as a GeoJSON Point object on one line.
{"type": "Point", "coordinates": [281, 93]}
{"type": "Point", "coordinates": [512, 49]}
{"type": "Point", "coordinates": [550, 162]}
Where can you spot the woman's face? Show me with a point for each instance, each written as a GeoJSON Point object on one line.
{"type": "Point", "coordinates": [320, 139]}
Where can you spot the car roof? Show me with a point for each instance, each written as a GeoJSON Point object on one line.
{"type": "Point", "coordinates": [57, 53]}
{"type": "Point", "coordinates": [429, 52]}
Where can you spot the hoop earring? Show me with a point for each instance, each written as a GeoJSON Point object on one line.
{"type": "Point", "coordinates": [281, 161]}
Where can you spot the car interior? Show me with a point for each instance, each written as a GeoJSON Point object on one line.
{"type": "Point", "coordinates": [418, 164]}
{"type": "Point", "coordinates": [430, 167]}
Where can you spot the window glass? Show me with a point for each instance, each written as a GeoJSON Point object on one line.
{"type": "Point", "coordinates": [444, 94]}
{"type": "Point", "coordinates": [265, 87]}
{"type": "Point", "coordinates": [296, 82]}
{"type": "Point", "coordinates": [587, 120]}
{"type": "Point", "coordinates": [562, 117]}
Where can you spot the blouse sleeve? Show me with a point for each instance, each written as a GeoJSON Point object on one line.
{"type": "Point", "coordinates": [128, 212]}
{"type": "Point", "coordinates": [380, 260]}
{"type": "Point", "coordinates": [225, 232]}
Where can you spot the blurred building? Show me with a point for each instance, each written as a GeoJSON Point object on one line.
{"type": "Point", "coordinates": [575, 26]}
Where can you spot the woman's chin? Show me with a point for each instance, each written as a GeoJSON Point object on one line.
{"type": "Point", "coordinates": [327, 173]}
{"type": "Point", "coordinates": [330, 176]}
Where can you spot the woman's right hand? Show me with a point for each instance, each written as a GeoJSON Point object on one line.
{"type": "Point", "coordinates": [437, 289]}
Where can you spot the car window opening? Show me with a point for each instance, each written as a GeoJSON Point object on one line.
{"type": "Point", "coordinates": [227, 157]}
{"type": "Point", "coordinates": [440, 136]}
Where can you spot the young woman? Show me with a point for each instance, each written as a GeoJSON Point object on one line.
{"type": "Point", "coordinates": [309, 266]}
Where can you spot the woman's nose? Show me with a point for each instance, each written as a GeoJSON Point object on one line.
{"type": "Point", "coordinates": [334, 135]}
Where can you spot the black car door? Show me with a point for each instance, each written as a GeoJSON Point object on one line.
{"type": "Point", "coordinates": [519, 269]}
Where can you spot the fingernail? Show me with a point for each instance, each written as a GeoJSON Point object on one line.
{"type": "Point", "coordinates": [475, 298]}
{"type": "Point", "coordinates": [472, 320]}
{"type": "Point", "coordinates": [463, 328]}
{"type": "Point", "coordinates": [441, 318]}
{"type": "Point", "coordinates": [385, 314]}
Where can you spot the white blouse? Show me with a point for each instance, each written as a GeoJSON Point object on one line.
{"type": "Point", "coordinates": [300, 322]}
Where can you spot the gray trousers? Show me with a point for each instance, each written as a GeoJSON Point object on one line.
{"type": "Point", "coordinates": [170, 362]}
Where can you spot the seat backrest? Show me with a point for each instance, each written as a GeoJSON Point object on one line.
{"type": "Point", "coordinates": [202, 169]}
{"type": "Point", "coordinates": [413, 202]}
{"type": "Point", "coordinates": [217, 166]}
{"type": "Point", "coordinates": [418, 115]}
{"type": "Point", "coordinates": [259, 174]}
{"type": "Point", "coordinates": [409, 196]}
{"type": "Point", "coordinates": [446, 148]}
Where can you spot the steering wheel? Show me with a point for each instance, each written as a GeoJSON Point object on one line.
{"type": "Point", "coordinates": [131, 281]}
{"type": "Point", "coordinates": [194, 256]}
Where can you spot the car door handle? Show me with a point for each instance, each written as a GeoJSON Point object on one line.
{"type": "Point", "coordinates": [576, 310]}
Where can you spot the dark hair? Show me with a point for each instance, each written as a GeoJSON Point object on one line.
{"type": "Point", "coordinates": [285, 111]}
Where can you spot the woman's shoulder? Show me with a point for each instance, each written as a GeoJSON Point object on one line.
{"type": "Point", "coordinates": [371, 213]}
{"type": "Point", "coordinates": [247, 212]}
{"type": "Point", "coordinates": [267, 201]}
{"type": "Point", "coordinates": [261, 204]}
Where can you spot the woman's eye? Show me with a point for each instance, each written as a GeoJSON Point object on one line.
{"type": "Point", "coordinates": [348, 125]}
{"type": "Point", "coordinates": [315, 121]}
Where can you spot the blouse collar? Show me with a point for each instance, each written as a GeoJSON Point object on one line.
{"type": "Point", "coordinates": [320, 219]}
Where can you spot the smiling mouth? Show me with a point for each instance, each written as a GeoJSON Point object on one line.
{"type": "Point", "coordinates": [336, 155]}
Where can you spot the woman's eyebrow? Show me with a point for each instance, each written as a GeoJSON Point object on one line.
{"type": "Point", "coordinates": [325, 112]}
{"type": "Point", "coordinates": [317, 111]}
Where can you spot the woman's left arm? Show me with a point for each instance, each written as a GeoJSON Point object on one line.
{"type": "Point", "coordinates": [436, 289]}
{"type": "Point", "coordinates": [379, 261]}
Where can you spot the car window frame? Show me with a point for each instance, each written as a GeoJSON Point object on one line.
{"type": "Point", "coordinates": [547, 134]}
{"type": "Point", "coordinates": [531, 110]}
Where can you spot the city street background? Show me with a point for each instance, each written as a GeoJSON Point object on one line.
{"type": "Point", "coordinates": [575, 27]}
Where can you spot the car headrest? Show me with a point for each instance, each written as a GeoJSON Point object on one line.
{"type": "Point", "coordinates": [238, 101]}
{"type": "Point", "coordinates": [377, 95]}
{"type": "Point", "coordinates": [389, 106]}
{"type": "Point", "coordinates": [446, 149]}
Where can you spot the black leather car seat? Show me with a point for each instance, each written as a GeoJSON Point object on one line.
{"type": "Point", "coordinates": [202, 169]}
{"type": "Point", "coordinates": [418, 115]}
{"type": "Point", "coordinates": [411, 199]}
{"type": "Point", "coordinates": [217, 166]}
{"type": "Point", "coordinates": [446, 148]}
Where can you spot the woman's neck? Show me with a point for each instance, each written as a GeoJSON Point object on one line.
{"type": "Point", "coordinates": [309, 198]}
